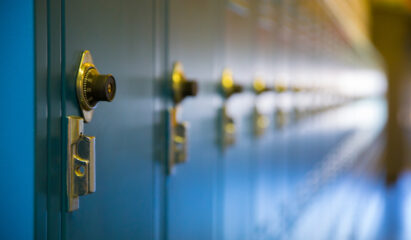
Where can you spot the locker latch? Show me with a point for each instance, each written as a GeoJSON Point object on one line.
{"type": "Point", "coordinates": [281, 116]}
{"type": "Point", "coordinates": [228, 88]}
{"type": "Point", "coordinates": [177, 131]}
{"type": "Point", "coordinates": [92, 87]}
{"type": "Point", "coordinates": [227, 128]}
{"type": "Point", "coordinates": [81, 162]}
{"type": "Point", "coordinates": [260, 121]}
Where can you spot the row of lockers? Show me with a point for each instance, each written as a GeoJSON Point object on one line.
{"type": "Point", "coordinates": [257, 163]}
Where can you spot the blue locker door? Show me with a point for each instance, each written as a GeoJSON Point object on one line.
{"type": "Point", "coordinates": [18, 120]}
{"type": "Point", "coordinates": [239, 160]}
{"type": "Point", "coordinates": [119, 35]}
{"type": "Point", "coordinates": [268, 161]}
{"type": "Point", "coordinates": [195, 41]}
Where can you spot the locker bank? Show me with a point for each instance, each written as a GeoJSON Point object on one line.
{"type": "Point", "coordinates": [205, 120]}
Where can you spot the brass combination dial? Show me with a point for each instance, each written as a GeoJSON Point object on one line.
{"type": "Point", "coordinates": [98, 87]}
{"type": "Point", "coordinates": [93, 87]}
{"type": "Point", "coordinates": [228, 86]}
{"type": "Point", "coordinates": [181, 86]}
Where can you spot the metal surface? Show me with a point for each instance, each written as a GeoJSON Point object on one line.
{"type": "Point", "coordinates": [81, 163]}
{"type": "Point", "coordinates": [18, 123]}
{"type": "Point", "coordinates": [240, 160]}
{"type": "Point", "coordinates": [194, 38]}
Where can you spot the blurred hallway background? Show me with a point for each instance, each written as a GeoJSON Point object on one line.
{"type": "Point", "coordinates": [365, 195]}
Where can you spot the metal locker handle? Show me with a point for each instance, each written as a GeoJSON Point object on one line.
{"type": "Point", "coordinates": [81, 162]}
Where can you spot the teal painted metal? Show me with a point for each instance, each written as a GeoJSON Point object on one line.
{"type": "Point", "coordinates": [243, 192]}
{"type": "Point", "coordinates": [120, 37]}
{"type": "Point", "coordinates": [194, 39]}
{"type": "Point", "coordinates": [55, 137]}
{"type": "Point", "coordinates": [240, 159]}
{"type": "Point", "coordinates": [41, 113]}
{"type": "Point", "coordinates": [17, 119]}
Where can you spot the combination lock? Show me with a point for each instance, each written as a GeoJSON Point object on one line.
{"type": "Point", "coordinates": [181, 86]}
{"type": "Point", "coordinates": [93, 87]}
{"type": "Point", "coordinates": [228, 86]}
{"type": "Point", "coordinates": [98, 87]}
